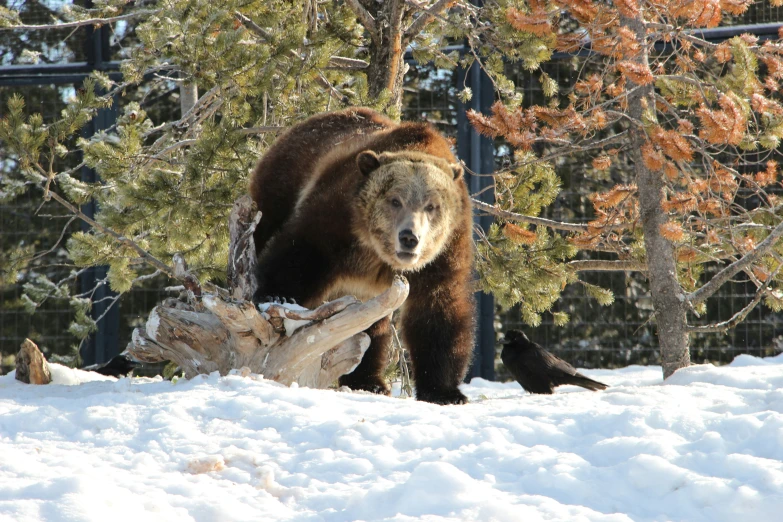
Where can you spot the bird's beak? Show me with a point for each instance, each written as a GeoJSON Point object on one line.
{"type": "Point", "coordinates": [504, 341]}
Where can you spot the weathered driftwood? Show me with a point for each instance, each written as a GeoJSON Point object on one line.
{"type": "Point", "coordinates": [214, 332]}
{"type": "Point", "coordinates": [31, 365]}
{"type": "Point", "coordinates": [242, 255]}
{"type": "Point", "coordinates": [228, 335]}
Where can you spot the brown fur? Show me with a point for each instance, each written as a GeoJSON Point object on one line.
{"type": "Point", "coordinates": [330, 229]}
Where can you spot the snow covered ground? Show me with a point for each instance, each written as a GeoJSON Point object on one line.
{"type": "Point", "coordinates": [705, 446]}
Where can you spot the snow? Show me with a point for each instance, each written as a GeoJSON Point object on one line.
{"type": "Point", "coordinates": [290, 325]}
{"type": "Point", "coordinates": [705, 446]}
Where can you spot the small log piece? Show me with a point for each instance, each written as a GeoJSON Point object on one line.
{"type": "Point", "coordinates": [31, 365]}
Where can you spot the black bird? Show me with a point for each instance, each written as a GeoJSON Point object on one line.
{"type": "Point", "coordinates": [118, 366]}
{"type": "Point", "coordinates": [537, 370]}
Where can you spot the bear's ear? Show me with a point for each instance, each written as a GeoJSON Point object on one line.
{"type": "Point", "coordinates": [456, 169]}
{"type": "Point", "coordinates": [367, 161]}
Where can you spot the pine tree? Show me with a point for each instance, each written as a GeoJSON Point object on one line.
{"type": "Point", "coordinates": [697, 122]}
{"type": "Point", "coordinates": [242, 71]}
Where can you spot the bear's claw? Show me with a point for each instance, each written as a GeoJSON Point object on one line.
{"type": "Point", "coordinates": [443, 397]}
{"type": "Point", "coordinates": [380, 387]}
{"type": "Point", "coordinates": [279, 300]}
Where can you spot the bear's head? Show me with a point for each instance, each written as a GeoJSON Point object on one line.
{"type": "Point", "coordinates": [408, 206]}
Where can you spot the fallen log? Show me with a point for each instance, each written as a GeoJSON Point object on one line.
{"type": "Point", "coordinates": [223, 330]}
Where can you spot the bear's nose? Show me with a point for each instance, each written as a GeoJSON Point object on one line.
{"type": "Point", "coordinates": [408, 239]}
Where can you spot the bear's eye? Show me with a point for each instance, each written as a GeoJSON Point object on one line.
{"type": "Point", "coordinates": [430, 208]}
{"type": "Point", "coordinates": [396, 203]}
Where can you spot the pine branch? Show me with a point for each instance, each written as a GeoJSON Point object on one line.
{"type": "Point", "coordinates": [346, 64]}
{"type": "Point", "coordinates": [519, 218]}
{"type": "Point", "coordinates": [81, 23]}
{"type": "Point", "coordinates": [260, 31]}
{"type": "Point", "coordinates": [148, 258]}
{"type": "Point", "coordinates": [598, 265]}
{"type": "Point", "coordinates": [364, 17]}
{"type": "Point", "coordinates": [425, 18]}
{"type": "Point", "coordinates": [320, 79]}
{"type": "Point", "coordinates": [261, 130]}
{"type": "Point", "coordinates": [727, 273]}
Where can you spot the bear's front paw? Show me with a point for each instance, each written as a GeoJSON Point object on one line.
{"type": "Point", "coordinates": [442, 396]}
{"type": "Point", "coordinates": [279, 300]}
{"type": "Point", "coordinates": [378, 386]}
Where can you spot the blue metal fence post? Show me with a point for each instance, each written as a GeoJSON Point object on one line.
{"type": "Point", "coordinates": [478, 154]}
{"type": "Point", "coordinates": [104, 343]}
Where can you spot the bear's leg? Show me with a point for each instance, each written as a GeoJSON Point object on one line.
{"type": "Point", "coordinates": [291, 268]}
{"type": "Point", "coordinates": [437, 327]}
{"type": "Point", "coordinates": [368, 375]}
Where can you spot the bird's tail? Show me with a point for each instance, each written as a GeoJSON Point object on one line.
{"type": "Point", "coordinates": [587, 382]}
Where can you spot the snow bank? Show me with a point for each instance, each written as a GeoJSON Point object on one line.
{"type": "Point", "coordinates": [705, 446]}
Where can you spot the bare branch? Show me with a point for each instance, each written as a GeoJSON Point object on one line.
{"type": "Point", "coordinates": [425, 18]}
{"type": "Point", "coordinates": [364, 17]}
{"type": "Point", "coordinates": [346, 64]}
{"type": "Point", "coordinates": [519, 218]}
{"type": "Point", "coordinates": [80, 23]}
{"type": "Point", "coordinates": [727, 273]}
{"type": "Point", "coordinates": [173, 147]}
{"type": "Point", "coordinates": [599, 265]}
{"type": "Point", "coordinates": [260, 31]}
{"type": "Point", "coordinates": [260, 130]}
{"type": "Point", "coordinates": [742, 314]}
{"type": "Point", "coordinates": [333, 91]}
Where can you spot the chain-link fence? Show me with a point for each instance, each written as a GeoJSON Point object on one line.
{"type": "Point", "coordinates": [597, 336]}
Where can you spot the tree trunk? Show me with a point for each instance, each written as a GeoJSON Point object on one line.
{"type": "Point", "coordinates": [387, 64]}
{"type": "Point", "coordinates": [224, 330]}
{"type": "Point", "coordinates": [667, 296]}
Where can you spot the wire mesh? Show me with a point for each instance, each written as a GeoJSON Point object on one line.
{"type": "Point", "coordinates": [597, 336]}
{"type": "Point", "coordinates": [43, 47]}
{"type": "Point", "coordinates": [30, 229]}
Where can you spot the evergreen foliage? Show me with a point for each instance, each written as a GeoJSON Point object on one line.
{"type": "Point", "coordinates": [167, 181]}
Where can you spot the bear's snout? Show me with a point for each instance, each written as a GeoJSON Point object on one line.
{"type": "Point", "coordinates": [408, 239]}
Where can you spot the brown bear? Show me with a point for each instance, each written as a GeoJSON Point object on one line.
{"type": "Point", "coordinates": [348, 200]}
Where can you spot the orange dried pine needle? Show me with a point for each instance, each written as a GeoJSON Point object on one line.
{"type": "Point", "coordinates": [724, 126]}
{"type": "Point", "coordinates": [536, 22]}
{"type": "Point", "coordinates": [672, 231]}
{"type": "Point", "coordinates": [518, 234]}
{"type": "Point", "coordinates": [680, 202]}
{"type": "Point", "coordinates": [769, 176]}
{"type": "Point", "coordinates": [652, 157]}
{"type": "Point", "coordinates": [671, 171]}
{"type": "Point", "coordinates": [723, 52]}
{"type": "Point", "coordinates": [761, 273]}
{"type": "Point", "coordinates": [672, 144]}
{"type": "Point", "coordinates": [638, 73]}
{"type": "Point", "coordinates": [687, 254]}
{"type": "Point", "coordinates": [613, 198]}
{"type": "Point", "coordinates": [627, 8]}
{"type": "Point", "coordinates": [602, 162]}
